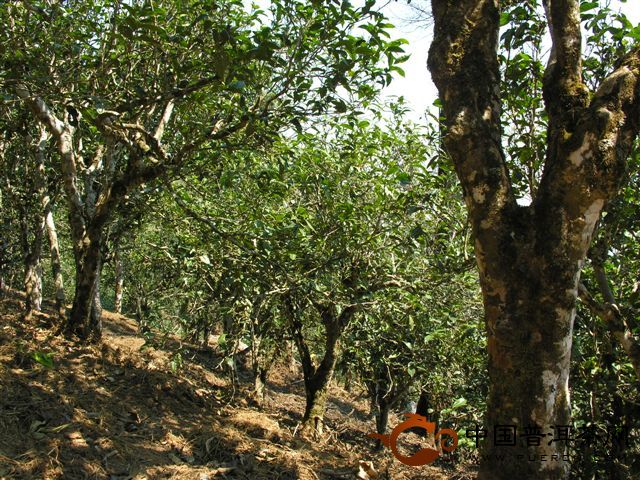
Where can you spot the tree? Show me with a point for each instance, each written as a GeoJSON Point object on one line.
{"type": "Point", "coordinates": [134, 91]}
{"type": "Point", "coordinates": [530, 257]}
{"type": "Point", "coordinates": [29, 188]}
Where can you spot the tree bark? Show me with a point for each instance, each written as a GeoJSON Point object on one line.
{"type": "Point", "coordinates": [529, 258]}
{"type": "Point", "coordinates": [35, 220]}
{"type": "Point", "coordinates": [119, 280]}
{"type": "Point", "coordinates": [32, 270]}
{"type": "Point", "coordinates": [317, 378]}
{"type": "Point", "coordinates": [382, 415]}
{"type": "Point", "coordinates": [56, 264]}
{"type": "Point", "coordinates": [85, 317]}
{"type": "Point", "coordinates": [259, 385]}
{"type": "Point", "coordinates": [95, 188]}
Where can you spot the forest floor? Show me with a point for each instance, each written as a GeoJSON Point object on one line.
{"type": "Point", "coordinates": [125, 409]}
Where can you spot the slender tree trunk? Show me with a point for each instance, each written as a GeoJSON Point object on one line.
{"type": "Point", "coordinates": [348, 381]}
{"type": "Point", "coordinates": [33, 276]}
{"type": "Point", "coordinates": [290, 356]}
{"type": "Point", "coordinates": [422, 408]}
{"type": "Point", "coordinates": [56, 264]}
{"type": "Point", "coordinates": [32, 249]}
{"type": "Point", "coordinates": [4, 249]}
{"type": "Point", "coordinates": [260, 384]}
{"type": "Point", "coordinates": [317, 378]}
{"type": "Point", "coordinates": [382, 416]}
{"type": "Point", "coordinates": [119, 272]}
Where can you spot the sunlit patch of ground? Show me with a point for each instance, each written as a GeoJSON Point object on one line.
{"type": "Point", "coordinates": [121, 410]}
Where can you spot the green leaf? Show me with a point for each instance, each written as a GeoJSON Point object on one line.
{"type": "Point", "coordinates": [44, 359]}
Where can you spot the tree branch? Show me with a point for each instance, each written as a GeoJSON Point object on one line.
{"type": "Point", "coordinates": [41, 110]}
{"type": "Point", "coordinates": [63, 133]}
{"type": "Point", "coordinates": [610, 314]}
{"type": "Point", "coordinates": [167, 96]}
{"type": "Point", "coordinates": [166, 116]}
{"type": "Point", "coordinates": [464, 64]}
{"type": "Point", "coordinates": [563, 90]}
{"type": "Point", "coordinates": [584, 167]}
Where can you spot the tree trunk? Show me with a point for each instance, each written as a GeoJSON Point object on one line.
{"type": "Point", "coordinates": [32, 250]}
{"type": "Point", "coordinates": [382, 417]}
{"type": "Point", "coordinates": [85, 318]}
{"type": "Point", "coordinates": [529, 391]}
{"type": "Point", "coordinates": [33, 216]}
{"type": "Point", "coordinates": [290, 356]}
{"type": "Point", "coordinates": [56, 264]}
{"type": "Point", "coordinates": [259, 385]}
{"type": "Point", "coordinates": [4, 251]}
{"type": "Point", "coordinates": [316, 391]}
{"type": "Point", "coordinates": [348, 381]}
{"type": "Point", "coordinates": [529, 258]}
{"type": "Point", "coordinates": [422, 408]}
{"type": "Point", "coordinates": [262, 357]}
{"type": "Point", "coordinates": [119, 272]}
{"type": "Point", "coordinates": [33, 279]}
{"type": "Point", "coordinates": [317, 378]}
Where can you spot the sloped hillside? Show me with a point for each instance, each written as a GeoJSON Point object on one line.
{"type": "Point", "coordinates": [123, 409]}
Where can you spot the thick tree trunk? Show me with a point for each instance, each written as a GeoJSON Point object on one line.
{"type": "Point", "coordinates": [530, 327]}
{"type": "Point", "coordinates": [317, 378]}
{"type": "Point", "coordinates": [85, 317]}
{"type": "Point", "coordinates": [529, 258]}
{"type": "Point", "coordinates": [316, 391]}
{"type": "Point", "coordinates": [119, 280]}
{"type": "Point", "coordinates": [56, 264]}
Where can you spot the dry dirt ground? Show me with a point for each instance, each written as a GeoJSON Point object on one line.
{"type": "Point", "coordinates": [123, 409]}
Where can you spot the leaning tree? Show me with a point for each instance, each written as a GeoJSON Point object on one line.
{"type": "Point", "coordinates": [530, 257]}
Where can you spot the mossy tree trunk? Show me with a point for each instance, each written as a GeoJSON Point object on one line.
{"type": "Point", "coordinates": [119, 278]}
{"type": "Point", "coordinates": [530, 257]}
{"type": "Point", "coordinates": [56, 263]}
